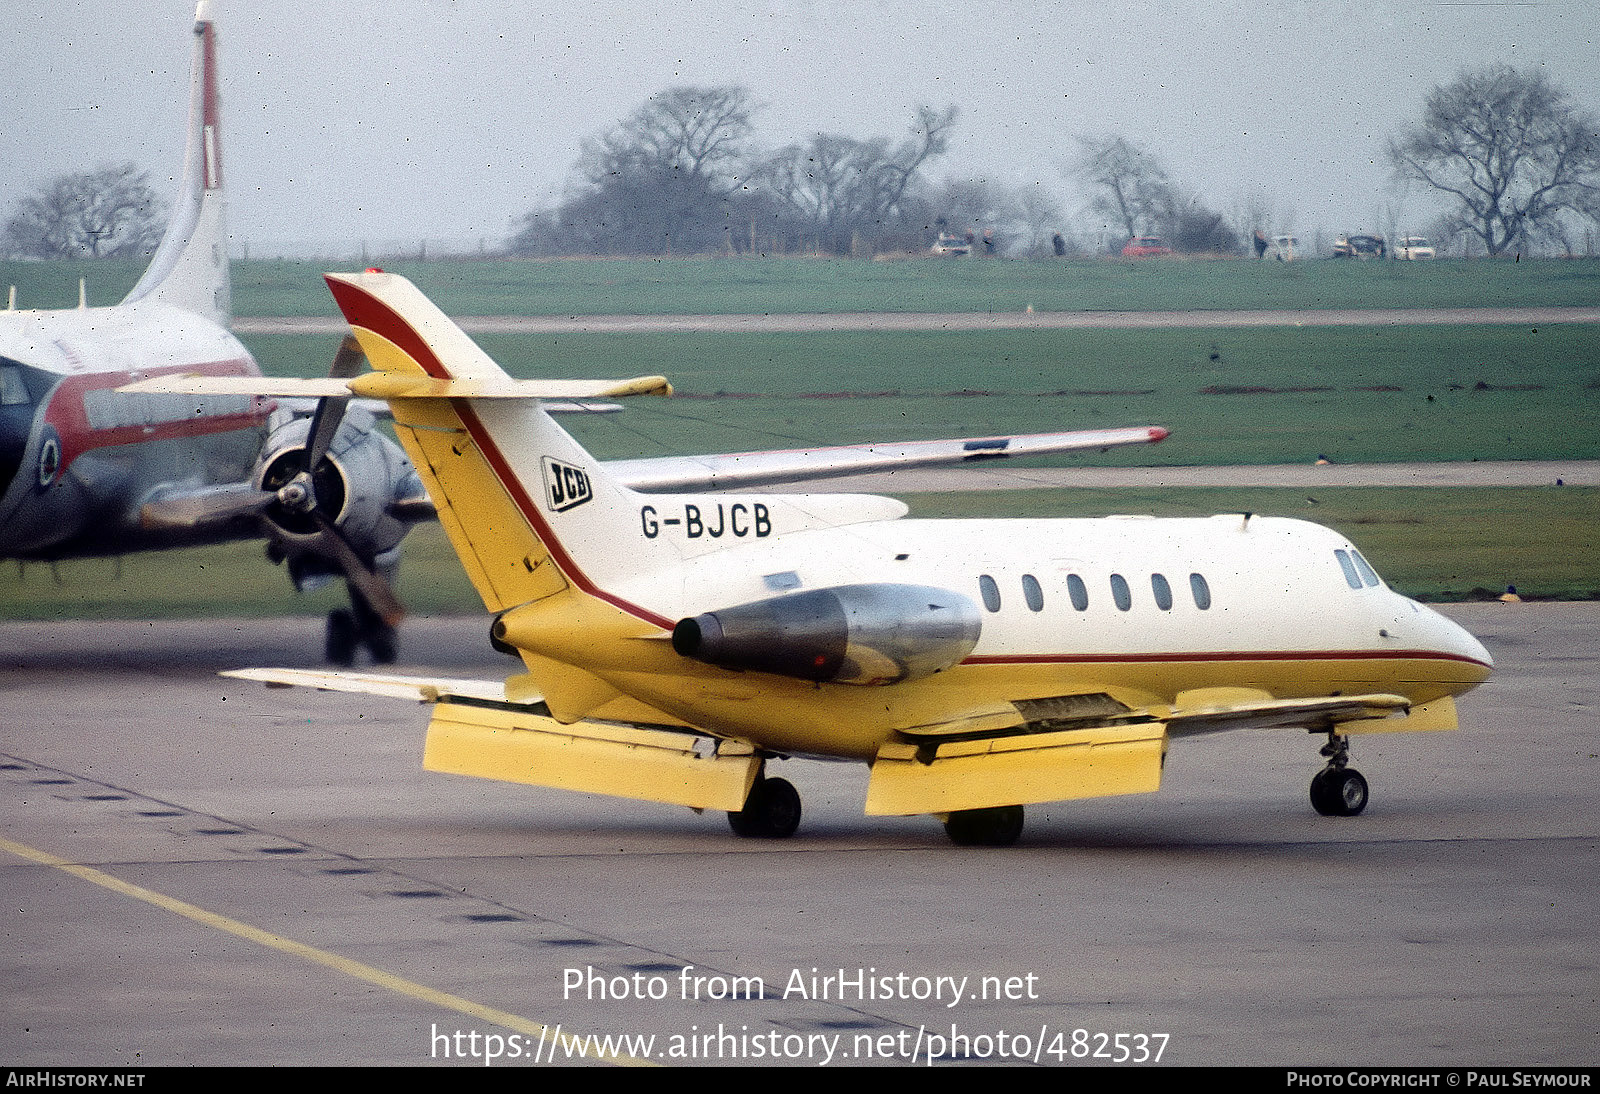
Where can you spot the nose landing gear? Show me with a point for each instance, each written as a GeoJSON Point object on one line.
{"type": "Point", "coordinates": [1338, 790]}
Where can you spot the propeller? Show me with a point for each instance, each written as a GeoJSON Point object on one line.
{"type": "Point", "coordinates": [299, 494]}
{"type": "Point", "coordinates": [296, 498]}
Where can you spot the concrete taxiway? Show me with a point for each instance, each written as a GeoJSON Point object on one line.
{"type": "Point", "coordinates": [203, 871]}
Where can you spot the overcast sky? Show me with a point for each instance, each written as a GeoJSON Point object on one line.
{"type": "Point", "coordinates": [447, 119]}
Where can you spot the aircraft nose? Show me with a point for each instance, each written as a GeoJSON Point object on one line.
{"type": "Point", "coordinates": [1452, 639]}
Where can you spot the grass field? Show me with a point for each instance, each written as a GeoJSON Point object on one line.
{"type": "Point", "coordinates": [1230, 396]}
{"type": "Point", "coordinates": [787, 285]}
{"type": "Point", "coordinates": [1437, 543]}
{"type": "Point", "coordinates": [1239, 396]}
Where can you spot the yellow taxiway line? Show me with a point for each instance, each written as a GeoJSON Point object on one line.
{"type": "Point", "coordinates": [397, 984]}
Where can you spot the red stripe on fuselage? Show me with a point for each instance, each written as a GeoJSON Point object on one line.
{"type": "Point", "coordinates": [66, 414]}
{"type": "Point", "coordinates": [1229, 655]}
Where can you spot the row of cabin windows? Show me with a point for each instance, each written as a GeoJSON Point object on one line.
{"type": "Point", "coordinates": [1078, 592]}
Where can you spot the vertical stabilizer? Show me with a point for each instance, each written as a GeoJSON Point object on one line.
{"type": "Point", "coordinates": [190, 267]}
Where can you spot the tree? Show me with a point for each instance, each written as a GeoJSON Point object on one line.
{"type": "Point", "coordinates": [1130, 187]}
{"type": "Point", "coordinates": [659, 180]}
{"type": "Point", "coordinates": [1512, 149]}
{"type": "Point", "coordinates": [837, 190]}
{"type": "Point", "coordinates": [109, 212]}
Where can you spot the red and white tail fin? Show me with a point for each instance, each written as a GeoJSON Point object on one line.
{"type": "Point", "coordinates": [190, 267]}
{"type": "Point", "coordinates": [529, 511]}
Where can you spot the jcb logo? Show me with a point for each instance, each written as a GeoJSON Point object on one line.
{"type": "Point", "coordinates": [564, 486]}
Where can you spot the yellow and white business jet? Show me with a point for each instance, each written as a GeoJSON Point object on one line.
{"type": "Point", "coordinates": [674, 643]}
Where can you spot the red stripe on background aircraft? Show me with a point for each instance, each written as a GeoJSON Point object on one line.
{"type": "Point", "coordinates": [89, 470]}
{"type": "Point", "coordinates": [676, 643]}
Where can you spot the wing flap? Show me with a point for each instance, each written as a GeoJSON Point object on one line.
{"type": "Point", "coordinates": [1317, 714]}
{"type": "Point", "coordinates": [1016, 770]}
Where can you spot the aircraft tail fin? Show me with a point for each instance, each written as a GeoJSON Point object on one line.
{"type": "Point", "coordinates": [528, 510]}
{"type": "Point", "coordinates": [190, 267]}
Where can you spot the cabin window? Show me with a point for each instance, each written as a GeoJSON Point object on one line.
{"type": "Point", "coordinates": [1351, 578]}
{"type": "Point", "coordinates": [1368, 574]}
{"type": "Point", "coordinates": [1079, 592]}
{"type": "Point", "coordinates": [1162, 591]}
{"type": "Point", "coordinates": [1120, 594]}
{"type": "Point", "coordinates": [1201, 591]}
{"type": "Point", "coordinates": [990, 591]}
{"type": "Point", "coordinates": [1032, 593]}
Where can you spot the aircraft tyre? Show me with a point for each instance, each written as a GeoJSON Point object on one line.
{"type": "Point", "coordinates": [772, 811]}
{"type": "Point", "coordinates": [996, 827]}
{"type": "Point", "coordinates": [1338, 792]}
{"type": "Point", "coordinates": [341, 638]}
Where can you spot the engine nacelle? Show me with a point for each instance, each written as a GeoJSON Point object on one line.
{"type": "Point", "coordinates": [850, 634]}
{"type": "Point", "coordinates": [363, 475]}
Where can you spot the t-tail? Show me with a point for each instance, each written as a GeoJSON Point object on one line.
{"type": "Point", "coordinates": [499, 469]}
{"type": "Point", "coordinates": [190, 267]}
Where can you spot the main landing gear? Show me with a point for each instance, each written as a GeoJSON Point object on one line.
{"type": "Point", "coordinates": [1338, 790]}
{"type": "Point", "coordinates": [351, 628]}
{"type": "Point", "coordinates": [996, 827]}
{"type": "Point", "coordinates": [772, 811]}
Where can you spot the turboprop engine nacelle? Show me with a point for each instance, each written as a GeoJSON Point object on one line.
{"type": "Point", "coordinates": [850, 634]}
{"type": "Point", "coordinates": [355, 486]}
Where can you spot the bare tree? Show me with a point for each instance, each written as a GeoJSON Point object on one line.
{"type": "Point", "coordinates": [1511, 148]}
{"type": "Point", "coordinates": [839, 191]}
{"type": "Point", "coordinates": [108, 212]}
{"type": "Point", "coordinates": [665, 178]}
{"type": "Point", "coordinates": [695, 133]}
{"type": "Point", "coordinates": [1129, 186]}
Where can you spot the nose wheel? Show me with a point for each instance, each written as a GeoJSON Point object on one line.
{"type": "Point", "coordinates": [1338, 790]}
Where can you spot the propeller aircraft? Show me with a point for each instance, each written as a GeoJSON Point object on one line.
{"type": "Point", "coordinates": [676, 642]}
{"type": "Point", "coordinates": [89, 470]}
{"type": "Point", "coordinates": [86, 470]}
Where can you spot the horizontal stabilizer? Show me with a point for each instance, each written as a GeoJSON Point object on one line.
{"type": "Point", "coordinates": [421, 689]}
{"type": "Point", "coordinates": [379, 385]}
{"type": "Point", "coordinates": [305, 407]}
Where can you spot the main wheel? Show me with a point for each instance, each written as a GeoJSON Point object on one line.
{"type": "Point", "coordinates": [772, 811]}
{"type": "Point", "coordinates": [1338, 792]}
{"type": "Point", "coordinates": [996, 827]}
{"type": "Point", "coordinates": [341, 637]}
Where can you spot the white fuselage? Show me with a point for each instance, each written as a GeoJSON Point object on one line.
{"type": "Point", "coordinates": [79, 457]}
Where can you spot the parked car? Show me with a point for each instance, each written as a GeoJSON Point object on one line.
{"type": "Point", "coordinates": [1284, 248]}
{"type": "Point", "coordinates": [1360, 246]}
{"type": "Point", "coordinates": [1415, 248]}
{"type": "Point", "coordinates": [1145, 247]}
{"type": "Point", "coordinates": [951, 246]}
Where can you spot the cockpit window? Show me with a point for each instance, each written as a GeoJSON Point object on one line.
{"type": "Point", "coordinates": [1351, 578]}
{"type": "Point", "coordinates": [1368, 574]}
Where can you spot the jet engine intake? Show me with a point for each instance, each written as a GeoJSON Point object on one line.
{"type": "Point", "coordinates": [849, 634]}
